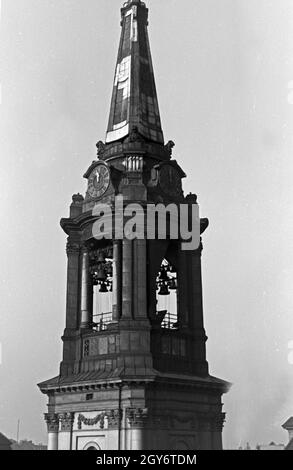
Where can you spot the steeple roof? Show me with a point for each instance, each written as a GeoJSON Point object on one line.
{"type": "Point", "coordinates": [289, 424]}
{"type": "Point", "coordinates": [134, 105]}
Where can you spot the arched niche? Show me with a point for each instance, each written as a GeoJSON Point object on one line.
{"type": "Point", "coordinates": [91, 446]}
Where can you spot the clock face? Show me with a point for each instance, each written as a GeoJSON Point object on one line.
{"type": "Point", "coordinates": [99, 181]}
{"type": "Point", "coordinates": [170, 181]}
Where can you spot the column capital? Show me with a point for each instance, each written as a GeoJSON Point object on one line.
{"type": "Point", "coordinates": [72, 247]}
{"type": "Point", "coordinates": [218, 422]}
{"type": "Point", "coordinates": [84, 248]}
{"type": "Point", "coordinates": [114, 418]}
{"type": "Point", "coordinates": [52, 420]}
{"type": "Point", "coordinates": [211, 421]}
{"type": "Point", "coordinates": [137, 417]}
{"type": "Point", "coordinates": [66, 420]}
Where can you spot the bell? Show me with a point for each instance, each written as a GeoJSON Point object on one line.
{"type": "Point", "coordinates": [164, 290]}
{"type": "Point", "coordinates": [103, 288]}
{"type": "Point", "coordinates": [101, 257]}
{"type": "Point", "coordinates": [163, 275]}
{"type": "Point", "coordinates": [101, 275]}
{"type": "Point", "coordinates": [173, 284]}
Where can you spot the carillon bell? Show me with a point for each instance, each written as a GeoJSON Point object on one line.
{"type": "Point", "coordinates": [163, 275]}
{"type": "Point", "coordinates": [101, 257]}
{"type": "Point", "coordinates": [101, 275]}
{"type": "Point", "coordinates": [164, 290]}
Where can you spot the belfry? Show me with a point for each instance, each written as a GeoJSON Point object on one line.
{"type": "Point", "coordinates": [134, 374]}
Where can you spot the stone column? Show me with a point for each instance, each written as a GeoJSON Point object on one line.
{"type": "Point", "coordinates": [65, 433]}
{"type": "Point", "coordinates": [137, 439]}
{"type": "Point", "coordinates": [140, 279]}
{"type": "Point", "coordinates": [115, 429]}
{"type": "Point", "coordinates": [217, 431]}
{"type": "Point", "coordinates": [117, 271]}
{"type": "Point", "coordinates": [182, 294]}
{"type": "Point", "coordinates": [127, 280]}
{"type": "Point", "coordinates": [90, 300]}
{"type": "Point", "coordinates": [196, 322]}
{"type": "Point", "coordinates": [137, 419]}
{"type": "Point", "coordinates": [52, 420]}
{"type": "Point", "coordinates": [72, 303]}
{"type": "Point", "coordinates": [73, 250]}
{"type": "Point", "coordinates": [208, 426]}
{"type": "Point", "coordinates": [85, 314]}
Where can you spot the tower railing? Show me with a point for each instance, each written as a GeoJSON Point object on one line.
{"type": "Point", "coordinates": [101, 321]}
{"type": "Point", "coordinates": [170, 321]}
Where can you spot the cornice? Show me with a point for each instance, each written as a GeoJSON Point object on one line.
{"type": "Point", "coordinates": [209, 384]}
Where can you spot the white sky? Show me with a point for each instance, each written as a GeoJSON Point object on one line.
{"type": "Point", "coordinates": [223, 69]}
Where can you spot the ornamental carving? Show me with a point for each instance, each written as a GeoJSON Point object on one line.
{"type": "Point", "coordinates": [188, 421]}
{"type": "Point", "coordinates": [169, 147]}
{"type": "Point", "coordinates": [218, 422]}
{"type": "Point", "coordinates": [77, 199]}
{"type": "Point", "coordinates": [72, 248]}
{"type": "Point", "coordinates": [99, 419]}
{"type": "Point", "coordinates": [137, 417]}
{"type": "Point", "coordinates": [211, 422]}
{"type": "Point", "coordinates": [66, 420]}
{"type": "Point", "coordinates": [101, 147]}
{"type": "Point", "coordinates": [52, 420]}
{"type": "Point", "coordinates": [114, 418]}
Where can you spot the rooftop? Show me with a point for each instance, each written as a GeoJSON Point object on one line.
{"type": "Point", "coordinates": [5, 443]}
{"type": "Point", "coordinates": [289, 424]}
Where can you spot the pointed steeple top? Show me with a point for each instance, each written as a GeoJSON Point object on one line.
{"type": "Point", "coordinates": [131, 1]}
{"type": "Point", "coordinates": [134, 105]}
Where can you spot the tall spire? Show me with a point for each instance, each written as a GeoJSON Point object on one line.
{"type": "Point", "coordinates": [134, 103]}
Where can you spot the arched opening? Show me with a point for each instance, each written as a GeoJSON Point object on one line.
{"type": "Point", "coordinates": [91, 446]}
{"type": "Point", "coordinates": [101, 270]}
{"type": "Point", "coordinates": [167, 295]}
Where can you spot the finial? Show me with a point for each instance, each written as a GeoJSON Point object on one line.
{"type": "Point", "coordinates": [100, 147]}
{"type": "Point", "coordinates": [128, 2]}
{"type": "Point", "coordinates": [169, 147]}
{"type": "Point", "coordinates": [191, 198]}
{"type": "Point", "coordinates": [77, 198]}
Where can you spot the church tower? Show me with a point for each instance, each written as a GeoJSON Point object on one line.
{"type": "Point", "coordinates": [134, 374]}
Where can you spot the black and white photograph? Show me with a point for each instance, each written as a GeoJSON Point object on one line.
{"type": "Point", "coordinates": [146, 243]}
